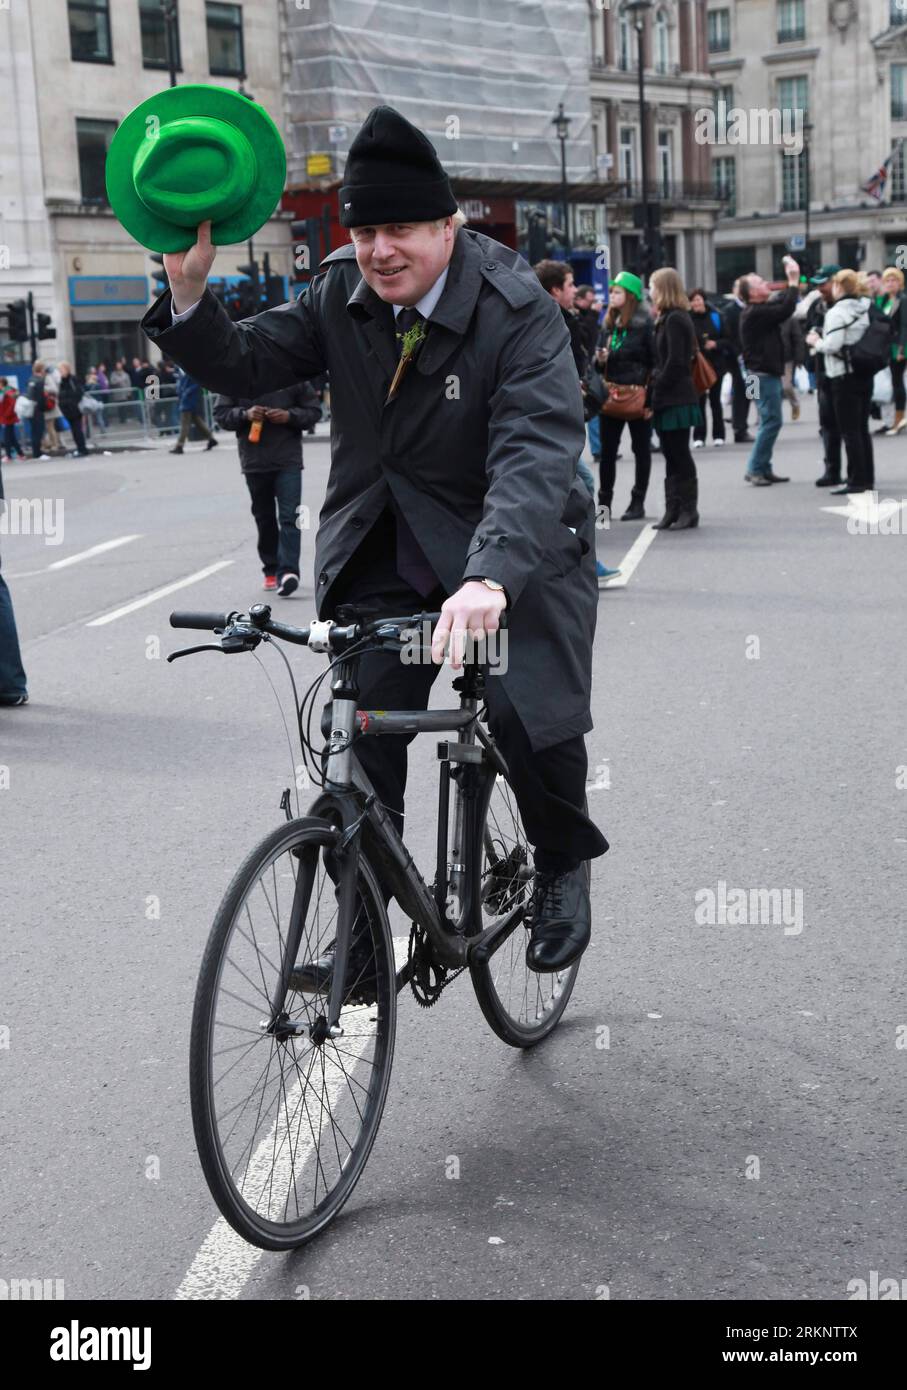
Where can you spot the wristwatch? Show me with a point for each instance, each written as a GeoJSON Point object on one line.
{"type": "Point", "coordinates": [493, 584]}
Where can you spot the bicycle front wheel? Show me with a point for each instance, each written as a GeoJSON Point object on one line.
{"type": "Point", "coordinates": [520, 1005]}
{"type": "Point", "coordinates": [285, 1116]}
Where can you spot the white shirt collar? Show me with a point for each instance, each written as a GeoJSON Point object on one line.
{"type": "Point", "coordinates": [429, 301]}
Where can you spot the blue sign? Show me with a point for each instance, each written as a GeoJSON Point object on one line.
{"type": "Point", "coordinates": [108, 290]}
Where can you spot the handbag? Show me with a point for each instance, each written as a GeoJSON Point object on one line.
{"type": "Point", "coordinates": [624, 402]}
{"type": "Point", "coordinates": [25, 408]}
{"type": "Point", "coordinates": [704, 374]}
{"type": "Point", "coordinates": [595, 393]}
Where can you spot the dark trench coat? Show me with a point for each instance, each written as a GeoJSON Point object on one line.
{"type": "Point", "coordinates": [479, 448]}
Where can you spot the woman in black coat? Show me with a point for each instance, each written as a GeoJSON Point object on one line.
{"type": "Point", "coordinates": [713, 345]}
{"type": "Point", "coordinates": [673, 398]}
{"type": "Point", "coordinates": [626, 358]}
{"type": "Point", "coordinates": [69, 399]}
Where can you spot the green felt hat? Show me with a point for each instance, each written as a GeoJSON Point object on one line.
{"type": "Point", "coordinates": [193, 153]}
{"type": "Point", "coordinates": [627, 281]}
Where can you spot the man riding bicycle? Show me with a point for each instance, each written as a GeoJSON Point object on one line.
{"type": "Point", "coordinates": [456, 427]}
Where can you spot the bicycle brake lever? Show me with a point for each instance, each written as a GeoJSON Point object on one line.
{"type": "Point", "coordinates": [190, 651]}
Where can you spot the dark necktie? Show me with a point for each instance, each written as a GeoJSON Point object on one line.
{"type": "Point", "coordinates": [412, 566]}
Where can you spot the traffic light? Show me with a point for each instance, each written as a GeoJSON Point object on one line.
{"type": "Point", "coordinates": [159, 277]}
{"type": "Point", "coordinates": [45, 329]}
{"type": "Point", "coordinates": [18, 321]}
{"type": "Point", "coordinates": [306, 234]}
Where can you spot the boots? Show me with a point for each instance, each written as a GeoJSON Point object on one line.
{"type": "Point", "coordinates": [688, 490]}
{"type": "Point", "coordinates": [636, 510]}
{"type": "Point", "coordinates": [672, 506]}
{"type": "Point", "coordinates": [681, 497]}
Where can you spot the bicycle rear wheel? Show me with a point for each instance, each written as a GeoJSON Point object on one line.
{"type": "Point", "coordinates": [284, 1115]}
{"type": "Point", "coordinates": [520, 1005]}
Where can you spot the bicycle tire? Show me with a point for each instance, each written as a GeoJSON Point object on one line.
{"type": "Point", "coordinates": [308, 836]}
{"type": "Point", "coordinates": [494, 995]}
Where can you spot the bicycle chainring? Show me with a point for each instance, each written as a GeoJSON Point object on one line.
{"type": "Point", "coordinates": [427, 979]}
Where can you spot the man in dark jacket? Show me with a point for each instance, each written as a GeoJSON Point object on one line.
{"type": "Point", "coordinates": [457, 490]}
{"type": "Point", "coordinates": [763, 357]}
{"type": "Point", "coordinates": [36, 392]}
{"type": "Point", "coordinates": [190, 400]}
{"type": "Point", "coordinates": [740, 401]}
{"type": "Point", "coordinates": [13, 688]}
{"type": "Point", "coordinates": [271, 461]}
{"type": "Point", "coordinates": [587, 318]}
{"type": "Point", "coordinates": [556, 278]}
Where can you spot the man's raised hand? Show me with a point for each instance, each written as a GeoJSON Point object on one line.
{"type": "Point", "coordinates": [188, 271]}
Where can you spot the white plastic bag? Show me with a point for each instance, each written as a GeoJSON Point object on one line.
{"type": "Point", "coordinates": [91, 404]}
{"type": "Point", "coordinates": [801, 380]}
{"type": "Point", "coordinates": [25, 408]}
{"type": "Point", "coordinates": [882, 387]}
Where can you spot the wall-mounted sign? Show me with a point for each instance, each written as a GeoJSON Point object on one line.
{"type": "Point", "coordinates": [316, 164]}
{"type": "Point", "coordinates": [108, 289]}
{"type": "Point", "coordinates": [337, 134]}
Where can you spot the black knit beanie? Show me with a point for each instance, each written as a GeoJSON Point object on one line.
{"type": "Point", "coordinates": [393, 174]}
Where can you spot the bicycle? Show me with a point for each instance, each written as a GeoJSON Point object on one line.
{"type": "Point", "coordinates": [289, 1062]}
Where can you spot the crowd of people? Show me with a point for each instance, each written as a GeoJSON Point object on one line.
{"type": "Point", "coordinates": [669, 359]}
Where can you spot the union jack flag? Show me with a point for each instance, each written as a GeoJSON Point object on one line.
{"type": "Point", "coordinates": [876, 186]}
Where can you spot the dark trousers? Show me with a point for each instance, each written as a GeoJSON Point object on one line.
{"type": "Point", "coordinates": [37, 431]}
{"type": "Point", "coordinates": [740, 406]}
{"type": "Point", "coordinates": [11, 441]}
{"type": "Point", "coordinates": [828, 427]}
{"type": "Point", "coordinates": [713, 397]}
{"type": "Point", "coordinates": [897, 381]}
{"type": "Point", "coordinates": [675, 445]}
{"type": "Point", "coordinates": [78, 435]}
{"type": "Point", "coordinates": [188, 418]}
{"type": "Point", "coordinates": [276, 495]}
{"type": "Point", "coordinates": [853, 398]}
{"type": "Point", "coordinates": [641, 440]}
{"type": "Point", "coordinates": [12, 674]}
{"type": "Point", "coordinates": [550, 786]}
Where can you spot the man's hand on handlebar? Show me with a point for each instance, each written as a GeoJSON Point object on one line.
{"type": "Point", "coordinates": [474, 609]}
{"type": "Point", "coordinates": [188, 271]}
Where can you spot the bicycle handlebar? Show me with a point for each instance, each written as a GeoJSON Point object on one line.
{"type": "Point", "coordinates": [206, 622]}
{"type": "Point", "coordinates": [259, 621]}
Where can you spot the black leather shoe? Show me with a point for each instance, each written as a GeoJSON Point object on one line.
{"type": "Point", "coordinates": [757, 479]}
{"type": "Point", "coordinates": [828, 480]}
{"type": "Point", "coordinates": [775, 478]}
{"type": "Point", "coordinates": [746, 438]}
{"type": "Point", "coordinates": [314, 976]}
{"type": "Point", "coordinates": [559, 917]}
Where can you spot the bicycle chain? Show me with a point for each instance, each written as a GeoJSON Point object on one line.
{"type": "Point", "coordinates": [424, 992]}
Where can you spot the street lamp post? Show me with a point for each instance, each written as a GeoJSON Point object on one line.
{"type": "Point", "coordinates": [638, 8]}
{"type": "Point", "coordinates": [169, 9]}
{"type": "Point", "coordinates": [807, 179]}
{"type": "Point", "coordinates": [561, 125]}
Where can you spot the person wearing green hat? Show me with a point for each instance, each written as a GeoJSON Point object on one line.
{"type": "Point", "coordinates": [456, 424]}
{"type": "Point", "coordinates": [626, 358]}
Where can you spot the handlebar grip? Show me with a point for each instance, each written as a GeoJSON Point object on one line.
{"type": "Point", "coordinates": [206, 622]}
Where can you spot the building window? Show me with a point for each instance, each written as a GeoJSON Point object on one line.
{"type": "Point", "coordinates": [793, 96]}
{"type": "Point", "coordinates": [719, 31]}
{"type": "Point", "coordinates": [665, 157]}
{"type": "Point", "coordinates": [897, 13]}
{"type": "Point", "coordinates": [793, 183]}
{"type": "Point", "coordinates": [624, 42]}
{"type": "Point", "coordinates": [154, 36]}
{"type": "Point", "coordinates": [725, 174]}
{"type": "Point", "coordinates": [898, 91]}
{"type": "Point", "coordinates": [730, 263]}
{"type": "Point", "coordinates": [89, 31]}
{"type": "Point", "coordinates": [93, 140]}
{"type": "Point", "coordinates": [627, 153]}
{"type": "Point", "coordinates": [662, 43]}
{"type": "Point", "coordinates": [724, 103]}
{"type": "Point", "coordinates": [226, 56]}
{"type": "Point", "coordinates": [791, 20]}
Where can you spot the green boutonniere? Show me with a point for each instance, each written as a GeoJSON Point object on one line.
{"type": "Point", "coordinates": [412, 339]}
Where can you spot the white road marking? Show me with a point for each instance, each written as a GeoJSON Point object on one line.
{"type": "Point", "coordinates": [868, 507]}
{"type": "Point", "coordinates": [95, 550]}
{"type": "Point", "coordinates": [632, 558]}
{"type": "Point", "coordinates": [159, 593]}
{"type": "Point", "coordinates": [225, 1262]}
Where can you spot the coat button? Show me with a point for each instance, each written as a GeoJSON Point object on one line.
{"type": "Point", "coordinates": [356, 522]}
{"type": "Point", "coordinates": [490, 265]}
{"type": "Point", "coordinates": [502, 540]}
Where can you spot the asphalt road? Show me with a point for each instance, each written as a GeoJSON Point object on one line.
{"type": "Point", "coordinates": [741, 1136]}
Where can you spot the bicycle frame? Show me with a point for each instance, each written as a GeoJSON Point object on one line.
{"type": "Point", "coordinates": [364, 821]}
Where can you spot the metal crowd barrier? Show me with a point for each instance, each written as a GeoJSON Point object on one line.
{"type": "Point", "coordinates": [138, 417]}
